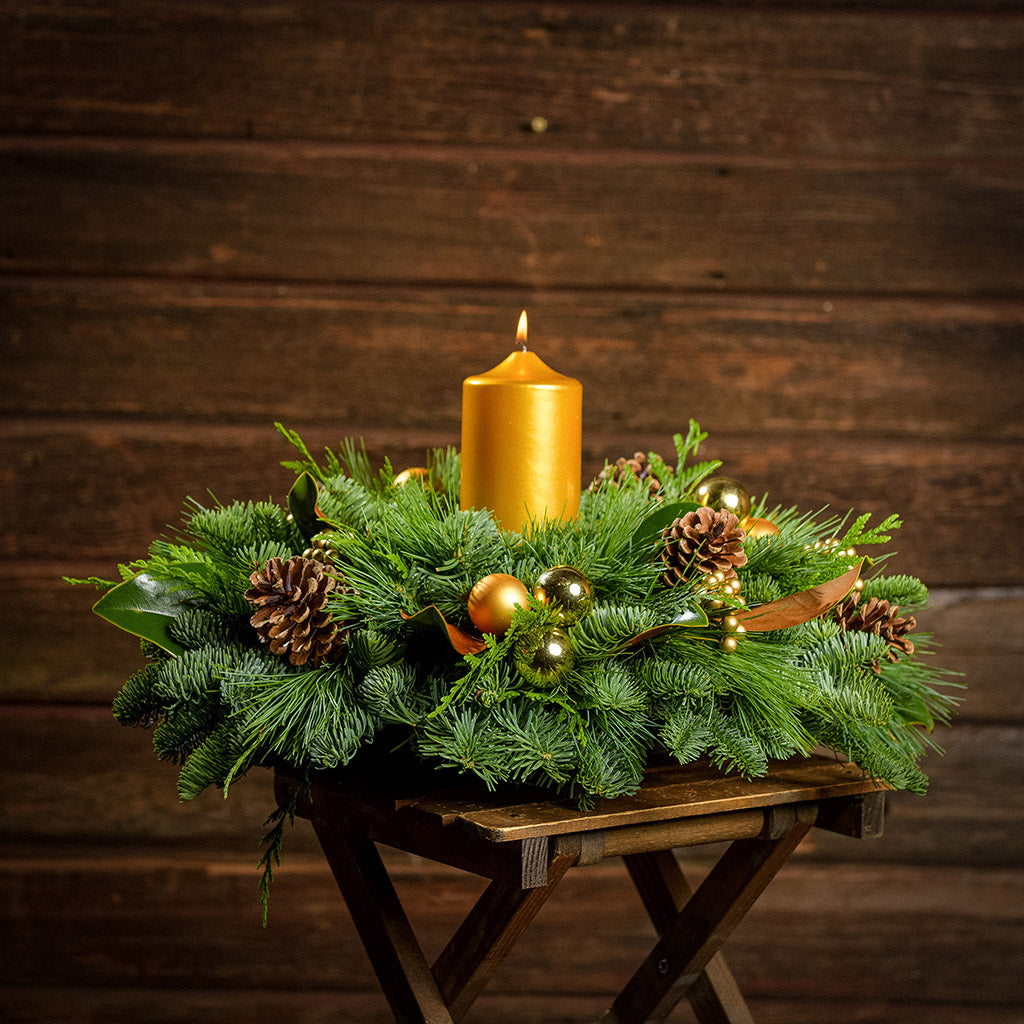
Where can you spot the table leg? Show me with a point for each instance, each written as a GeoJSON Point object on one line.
{"type": "Point", "coordinates": [715, 996]}
{"type": "Point", "coordinates": [703, 925]}
{"type": "Point", "coordinates": [487, 935]}
{"type": "Point", "coordinates": [377, 913]}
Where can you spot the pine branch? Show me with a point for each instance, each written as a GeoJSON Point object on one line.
{"type": "Point", "coordinates": [684, 734]}
{"type": "Point", "coordinates": [356, 462]}
{"type": "Point", "coordinates": [194, 676]}
{"type": "Point", "coordinates": [733, 750]}
{"type": "Point", "coordinates": [604, 769]}
{"type": "Point", "coordinates": [136, 704]}
{"type": "Point", "coordinates": [389, 694]}
{"type": "Point", "coordinates": [202, 627]}
{"type": "Point", "coordinates": [608, 627]}
{"type": "Point", "coordinates": [669, 679]}
{"type": "Point", "coordinates": [178, 735]}
{"type": "Point", "coordinates": [466, 740]}
{"type": "Point", "coordinates": [537, 747]}
{"type": "Point", "coordinates": [225, 704]}
{"type": "Point", "coordinates": [302, 717]}
{"type": "Point", "coordinates": [369, 649]}
{"type": "Point", "coordinates": [218, 759]}
{"type": "Point", "coordinates": [346, 502]}
{"type": "Point", "coordinates": [906, 591]}
{"type": "Point", "coordinates": [611, 686]}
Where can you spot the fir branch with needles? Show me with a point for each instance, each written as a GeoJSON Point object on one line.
{"type": "Point", "coordinates": [650, 674]}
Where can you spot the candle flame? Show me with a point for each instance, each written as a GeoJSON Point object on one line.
{"type": "Point", "coordinates": [521, 330]}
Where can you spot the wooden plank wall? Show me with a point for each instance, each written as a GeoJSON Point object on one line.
{"type": "Point", "coordinates": [800, 223]}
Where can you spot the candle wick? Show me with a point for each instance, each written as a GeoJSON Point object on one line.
{"type": "Point", "coordinates": [521, 330]}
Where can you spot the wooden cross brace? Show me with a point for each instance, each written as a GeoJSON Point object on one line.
{"type": "Point", "coordinates": [525, 846]}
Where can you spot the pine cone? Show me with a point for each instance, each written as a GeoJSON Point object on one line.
{"type": "Point", "coordinates": [291, 611]}
{"type": "Point", "coordinates": [703, 541]}
{"type": "Point", "coordinates": [638, 467]}
{"type": "Point", "coordinates": [881, 618]}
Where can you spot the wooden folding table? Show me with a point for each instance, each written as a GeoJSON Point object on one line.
{"type": "Point", "coordinates": [525, 842]}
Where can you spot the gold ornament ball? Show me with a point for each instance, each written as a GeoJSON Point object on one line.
{"type": "Point", "coordinates": [420, 473]}
{"type": "Point", "coordinates": [493, 600]}
{"type": "Point", "coordinates": [756, 527]}
{"type": "Point", "coordinates": [720, 492]}
{"type": "Point", "coordinates": [728, 644]}
{"type": "Point", "coordinates": [566, 590]}
{"type": "Point", "coordinates": [544, 661]}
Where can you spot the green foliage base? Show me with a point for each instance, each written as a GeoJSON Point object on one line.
{"type": "Point", "coordinates": [220, 702]}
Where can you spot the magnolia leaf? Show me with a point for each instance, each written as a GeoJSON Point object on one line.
{"type": "Point", "coordinates": [664, 515]}
{"type": "Point", "coordinates": [798, 608]}
{"type": "Point", "coordinates": [685, 620]}
{"type": "Point", "coordinates": [915, 712]}
{"type": "Point", "coordinates": [302, 505]}
{"type": "Point", "coordinates": [145, 607]}
{"type": "Point", "coordinates": [432, 619]}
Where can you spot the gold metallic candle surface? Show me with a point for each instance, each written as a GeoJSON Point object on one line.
{"type": "Point", "coordinates": [522, 435]}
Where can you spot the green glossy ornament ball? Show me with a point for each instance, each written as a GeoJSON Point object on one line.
{"type": "Point", "coordinates": [566, 590]}
{"type": "Point", "coordinates": [544, 661]}
{"type": "Point", "coordinates": [720, 492]}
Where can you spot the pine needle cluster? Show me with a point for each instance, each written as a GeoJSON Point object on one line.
{"type": "Point", "coordinates": [649, 673]}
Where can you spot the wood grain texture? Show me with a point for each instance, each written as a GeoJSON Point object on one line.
{"type": "Point", "coordinates": [846, 933]}
{"type": "Point", "coordinates": [718, 905]}
{"type": "Point", "coordinates": [487, 934]}
{"type": "Point", "coordinates": [120, 789]}
{"type": "Point", "coordinates": [671, 792]}
{"type": "Point", "coordinates": [383, 926]}
{"type": "Point", "coordinates": [118, 1005]}
{"type": "Point", "coordinates": [302, 212]}
{"type": "Point", "coordinates": [981, 635]}
{"type": "Point", "coordinates": [781, 80]}
{"type": "Point", "coordinates": [664, 891]}
{"type": "Point", "coordinates": [105, 788]}
{"type": "Point", "coordinates": [101, 491]}
{"type": "Point", "coordinates": [158, 350]}
{"type": "Point", "coordinates": [797, 221]}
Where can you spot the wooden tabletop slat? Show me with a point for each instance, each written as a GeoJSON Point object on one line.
{"type": "Point", "coordinates": [670, 791]}
{"type": "Point", "coordinates": [680, 792]}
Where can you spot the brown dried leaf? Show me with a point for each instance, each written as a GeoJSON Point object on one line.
{"type": "Point", "coordinates": [431, 618]}
{"type": "Point", "coordinates": [801, 607]}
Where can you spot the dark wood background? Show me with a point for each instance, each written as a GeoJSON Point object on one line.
{"type": "Point", "coordinates": [800, 223]}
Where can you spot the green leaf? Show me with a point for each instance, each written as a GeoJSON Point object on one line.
{"type": "Point", "coordinates": [144, 607]}
{"type": "Point", "coordinates": [915, 711]}
{"type": "Point", "coordinates": [664, 515]}
{"type": "Point", "coordinates": [302, 505]}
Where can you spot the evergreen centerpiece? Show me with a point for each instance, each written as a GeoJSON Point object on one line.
{"type": "Point", "coordinates": [304, 635]}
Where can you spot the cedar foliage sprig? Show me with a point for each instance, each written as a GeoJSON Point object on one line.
{"type": "Point", "coordinates": [227, 704]}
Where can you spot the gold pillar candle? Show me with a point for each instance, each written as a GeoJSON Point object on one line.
{"type": "Point", "coordinates": [522, 439]}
